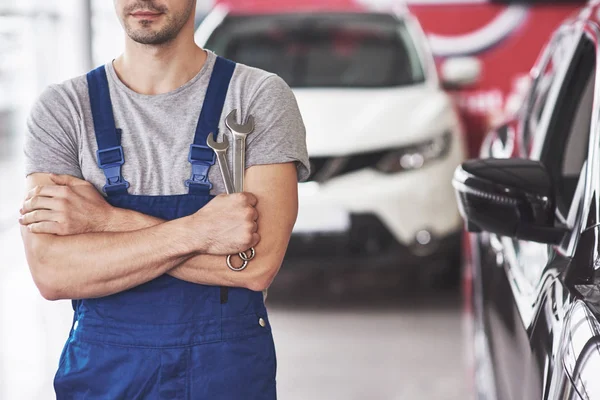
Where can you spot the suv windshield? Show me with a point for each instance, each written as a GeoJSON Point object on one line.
{"type": "Point", "coordinates": [322, 50]}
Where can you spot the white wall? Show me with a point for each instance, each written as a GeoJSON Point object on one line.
{"type": "Point", "coordinates": [40, 43]}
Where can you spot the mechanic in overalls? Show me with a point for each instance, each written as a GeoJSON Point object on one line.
{"type": "Point", "coordinates": [125, 214]}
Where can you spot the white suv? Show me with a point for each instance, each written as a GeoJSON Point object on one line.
{"type": "Point", "coordinates": [383, 137]}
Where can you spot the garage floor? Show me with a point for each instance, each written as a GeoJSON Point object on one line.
{"type": "Point", "coordinates": [388, 349]}
{"type": "Point", "coordinates": [346, 347]}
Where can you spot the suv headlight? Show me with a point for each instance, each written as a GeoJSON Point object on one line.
{"type": "Point", "coordinates": [415, 156]}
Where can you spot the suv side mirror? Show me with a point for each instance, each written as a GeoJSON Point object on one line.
{"type": "Point", "coordinates": [509, 197]}
{"type": "Point", "coordinates": [460, 72]}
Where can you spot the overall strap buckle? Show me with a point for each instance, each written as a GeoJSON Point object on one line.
{"type": "Point", "coordinates": [111, 160]}
{"type": "Point", "coordinates": [202, 158]}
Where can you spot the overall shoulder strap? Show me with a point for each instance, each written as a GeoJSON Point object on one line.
{"type": "Point", "coordinates": [201, 156]}
{"type": "Point", "coordinates": [110, 155]}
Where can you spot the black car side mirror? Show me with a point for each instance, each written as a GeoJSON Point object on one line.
{"type": "Point", "coordinates": [509, 197]}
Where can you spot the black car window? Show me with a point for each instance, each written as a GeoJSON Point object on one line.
{"type": "Point", "coordinates": [323, 50]}
{"type": "Point", "coordinates": [551, 59]}
{"type": "Point", "coordinates": [566, 148]}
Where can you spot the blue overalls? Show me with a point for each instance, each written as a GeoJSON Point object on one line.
{"type": "Point", "coordinates": [167, 339]}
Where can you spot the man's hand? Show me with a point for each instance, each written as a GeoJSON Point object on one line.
{"type": "Point", "coordinates": [73, 206]}
{"type": "Point", "coordinates": [70, 207]}
{"type": "Point", "coordinates": [230, 223]}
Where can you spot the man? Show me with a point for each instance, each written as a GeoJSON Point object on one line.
{"type": "Point", "coordinates": [121, 216]}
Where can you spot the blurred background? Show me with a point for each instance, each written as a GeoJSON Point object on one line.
{"type": "Point", "coordinates": [394, 96]}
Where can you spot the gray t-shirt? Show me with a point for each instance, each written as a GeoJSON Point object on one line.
{"type": "Point", "coordinates": [157, 130]}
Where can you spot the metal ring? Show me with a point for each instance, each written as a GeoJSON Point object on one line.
{"type": "Point", "coordinates": [231, 267]}
{"type": "Point", "coordinates": [244, 257]}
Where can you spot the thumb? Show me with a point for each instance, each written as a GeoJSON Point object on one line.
{"type": "Point", "coordinates": [66, 180]}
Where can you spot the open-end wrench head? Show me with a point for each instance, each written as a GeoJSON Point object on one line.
{"type": "Point", "coordinates": [231, 122]}
{"type": "Point", "coordinates": [217, 146]}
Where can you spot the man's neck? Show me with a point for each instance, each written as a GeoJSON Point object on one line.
{"type": "Point", "coordinates": [159, 69]}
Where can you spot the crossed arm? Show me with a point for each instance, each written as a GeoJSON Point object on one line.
{"type": "Point", "coordinates": [78, 246]}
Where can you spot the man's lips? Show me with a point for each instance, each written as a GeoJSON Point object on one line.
{"type": "Point", "coordinates": [145, 14]}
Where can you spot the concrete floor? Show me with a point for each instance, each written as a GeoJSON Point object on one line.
{"type": "Point", "coordinates": [369, 354]}
{"type": "Point", "coordinates": [368, 348]}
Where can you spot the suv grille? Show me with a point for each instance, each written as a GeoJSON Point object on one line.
{"type": "Point", "coordinates": [326, 168]}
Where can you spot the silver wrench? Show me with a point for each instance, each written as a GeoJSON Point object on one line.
{"type": "Point", "coordinates": [239, 133]}
{"type": "Point", "coordinates": [220, 150]}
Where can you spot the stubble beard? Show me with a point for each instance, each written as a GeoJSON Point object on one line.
{"type": "Point", "coordinates": [143, 33]}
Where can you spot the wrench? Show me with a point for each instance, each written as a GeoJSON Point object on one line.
{"type": "Point", "coordinates": [220, 150]}
{"type": "Point", "coordinates": [239, 133]}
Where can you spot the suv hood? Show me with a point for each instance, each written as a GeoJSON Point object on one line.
{"type": "Point", "coordinates": [347, 121]}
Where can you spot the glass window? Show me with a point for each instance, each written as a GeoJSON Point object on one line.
{"type": "Point", "coordinates": [332, 50]}
{"type": "Point", "coordinates": [565, 150]}
{"type": "Point", "coordinates": [552, 58]}
{"type": "Point", "coordinates": [566, 145]}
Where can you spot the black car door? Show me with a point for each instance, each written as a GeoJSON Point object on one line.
{"type": "Point", "coordinates": [565, 338]}
{"type": "Point", "coordinates": [516, 274]}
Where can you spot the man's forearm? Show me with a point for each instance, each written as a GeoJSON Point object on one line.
{"type": "Point", "coordinates": [100, 264]}
{"type": "Point", "coordinates": [204, 269]}
{"type": "Point", "coordinates": [276, 189]}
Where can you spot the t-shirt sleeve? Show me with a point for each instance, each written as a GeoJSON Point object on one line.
{"type": "Point", "coordinates": [51, 136]}
{"type": "Point", "coordinates": [279, 135]}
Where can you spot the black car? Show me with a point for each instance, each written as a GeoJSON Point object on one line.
{"type": "Point", "coordinates": [533, 262]}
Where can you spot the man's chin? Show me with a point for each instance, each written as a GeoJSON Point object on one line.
{"type": "Point", "coordinates": [149, 38]}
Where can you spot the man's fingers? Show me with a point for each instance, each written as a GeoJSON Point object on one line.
{"type": "Point", "coordinates": [255, 239]}
{"type": "Point", "coordinates": [46, 191]}
{"type": "Point", "coordinates": [44, 227]}
{"type": "Point", "coordinates": [67, 180]}
{"type": "Point", "coordinates": [252, 200]}
{"type": "Point", "coordinates": [41, 203]}
{"type": "Point", "coordinates": [38, 216]}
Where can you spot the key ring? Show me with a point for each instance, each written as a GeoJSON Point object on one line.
{"type": "Point", "coordinates": [244, 257]}
{"type": "Point", "coordinates": [236, 269]}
